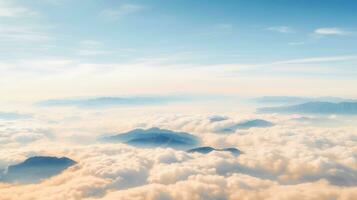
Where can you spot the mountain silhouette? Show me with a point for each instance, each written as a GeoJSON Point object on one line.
{"type": "Point", "coordinates": [255, 123]}
{"type": "Point", "coordinates": [343, 108]}
{"type": "Point", "coordinates": [155, 137]}
{"type": "Point", "coordinates": [35, 169]}
{"type": "Point", "coordinates": [207, 149]}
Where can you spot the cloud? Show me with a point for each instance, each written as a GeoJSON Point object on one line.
{"type": "Point", "coordinates": [281, 29]}
{"type": "Point", "coordinates": [24, 39]}
{"type": "Point", "coordinates": [318, 59]}
{"type": "Point", "coordinates": [91, 48]}
{"type": "Point", "coordinates": [91, 52]}
{"type": "Point", "coordinates": [287, 157]}
{"type": "Point", "coordinates": [10, 10]}
{"type": "Point", "coordinates": [54, 2]}
{"type": "Point", "coordinates": [34, 66]}
{"type": "Point", "coordinates": [91, 43]}
{"type": "Point", "coordinates": [331, 31]}
{"type": "Point", "coordinates": [24, 34]}
{"type": "Point", "coordinates": [296, 43]}
{"type": "Point", "coordinates": [17, 131]}
{"type": "Point", "coordinates": [235, 187]}
{"type": "Point", "coordinates": [13, 116]}
{"type": "Point", "coordinates": [125, 9]}
{"type": "Point", "coordinates": [164, 74]}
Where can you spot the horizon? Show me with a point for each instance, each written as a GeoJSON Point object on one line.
{"type": "Point", "coordinates": [178, 99]}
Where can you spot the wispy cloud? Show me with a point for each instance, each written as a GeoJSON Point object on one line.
{"type": "Point", "coordinates": [8, 9]}
{"type": "Point", "coordinates": [280, 29]}
{"type": "Point", "coordinates": [91, 48]}
{"type": "Point", "coordinates": [13, 116]}
{"type": "Point", "coordinates": [37, 65]}
{"type": "Point", "coordinates": [125, 9]}
{"type": "Point", "coordinates": [318, 59]}
{"type": "Point", "coordinates": [331, 31]}
{"type": "Point", "coordinates": [19, 33]}
{"type": "Point", "coordinates": [296, 43]}
{"type": "Point", "coordinates": [54, 2]}
{"type": "Point", "coordinates": [91, 43]}
{"type": "Point", "coordinates": [92, 52]}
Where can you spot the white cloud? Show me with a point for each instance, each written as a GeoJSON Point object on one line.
{"type": "Point", "coordinates": [53, 2]}
{"type": "Point", "coordinates": [91, 48]}
{"type": "Point", "coordinates": [20, 35]}
{"type": "Point", "coordinates": [8, 9]}
{"type": "Point", "coordinates": [331, 31]}
{"type": "Point", "coordinates": [296, 43]}
{"type": "Point", "coordinates": [121, 11]}
{"type": "Point", "coordinates": [91, 43]}
{"type": "Point", "coordinates": [319, 59]}
{"type": "Point", "coordinates": [278, 160]}
{"type": "Point", "coordinates": [92, 52]}
{"type": "Point", "coordinates": [281, 29]}
{"type": "Point", "coordinates": [162, 75]}
{"type": "Point", "coordinates": [50, 64]}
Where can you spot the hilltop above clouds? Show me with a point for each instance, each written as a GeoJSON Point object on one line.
{"type": "Point", "coordinates": [35, 169]}
{"type": "Point", "coordinates": [155, 137]}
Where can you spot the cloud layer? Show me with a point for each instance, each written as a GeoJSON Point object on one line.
{"type": "Point", "coordinates": [290, 157]}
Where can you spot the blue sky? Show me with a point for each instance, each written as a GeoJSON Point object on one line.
{"type": "Point", "coordinates": [241, 40]}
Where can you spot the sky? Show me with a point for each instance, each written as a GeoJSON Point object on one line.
{"type": "Point", "coordinates": [74, 74]}
{"type": "Point", "coordinates": [62, 48]}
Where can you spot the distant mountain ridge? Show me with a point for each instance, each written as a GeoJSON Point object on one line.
{"type": "Point", "coordinates": [254, 123]}
{"type": "Point", "coordinates": [155, 137]}
{"type": "Point", "coordinates": [299, 100]}
{"type": "Point", "coordinates": [35, 169]}
{"type": "Point", "coordinates": [207, 149]}
{"type": "Point", "coordinates": [106, 101]}
{"type": "Point", "coordinates": [342, 108]}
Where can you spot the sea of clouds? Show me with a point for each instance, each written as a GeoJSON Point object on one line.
{"type": "Point", "coordinates": [294, 159]}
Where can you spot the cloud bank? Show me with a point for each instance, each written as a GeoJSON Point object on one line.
{"type": "Point", "coordinates": [306, 162]}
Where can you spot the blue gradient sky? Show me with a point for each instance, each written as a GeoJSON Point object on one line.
{"type": "Point", "coordinates": [272, 47]}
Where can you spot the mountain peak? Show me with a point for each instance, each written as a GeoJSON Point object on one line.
{"type": "Point", "coordinates": [155, 137]}
{"type": "Point", "coordinates": [35, 169]}
{"type": "Point", "coordinates": [207, 149]}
